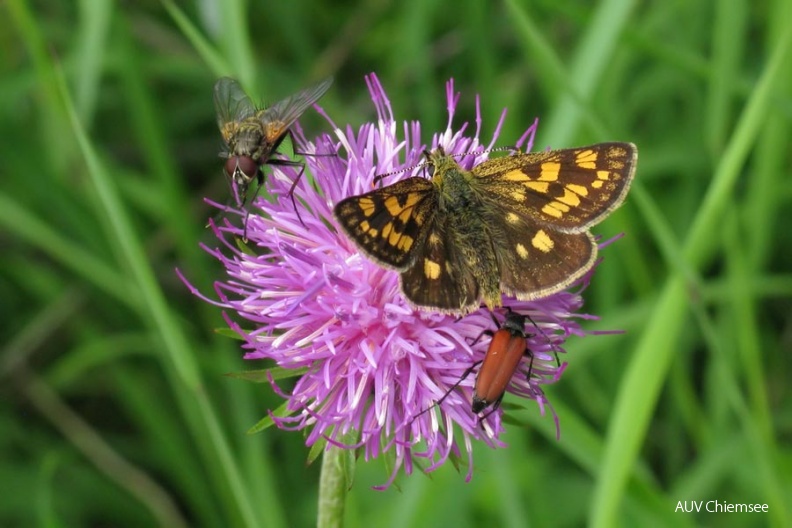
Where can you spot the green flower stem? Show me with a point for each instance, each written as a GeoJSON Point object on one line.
{"type": "Point", "coordinates": [333, 488]}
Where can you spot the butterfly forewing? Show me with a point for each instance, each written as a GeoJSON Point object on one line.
{"type": "Point", "coordinates": [389, 223]}
{"type": "Point", "coordinates": [568, 190]}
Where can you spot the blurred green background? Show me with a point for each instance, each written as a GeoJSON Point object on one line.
{"type": "Point", "coordinates": [115, 410]}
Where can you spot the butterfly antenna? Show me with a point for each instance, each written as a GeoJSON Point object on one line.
{"type": "Point", "coordinates": [379, 177]}
{"type": "Point", "coordinates": [512, 148]}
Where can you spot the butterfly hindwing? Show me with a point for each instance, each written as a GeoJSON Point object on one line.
{"type": "Point", "coordinates": [439, 277]}
{"type": "Point", "coordinates": [535, 262]}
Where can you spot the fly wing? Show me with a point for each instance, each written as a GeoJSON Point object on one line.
{"type": "Point", "coordinates": [231, 102]}
{"type": "Point", "coordinates": [286, 111]}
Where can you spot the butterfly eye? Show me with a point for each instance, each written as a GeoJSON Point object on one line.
{"type": "Point", "coordinates": [241, 169]}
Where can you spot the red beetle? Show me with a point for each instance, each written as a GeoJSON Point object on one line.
{"type": "Point", "coordinates": [507, 347]}
{"type": "Point", "coordinates": [509, 344]}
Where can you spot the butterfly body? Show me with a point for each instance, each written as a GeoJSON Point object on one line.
{"type": "Point", "coordinates": [463, 220]}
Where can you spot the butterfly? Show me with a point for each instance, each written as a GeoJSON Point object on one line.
{"type": "Point", "coordinates": [517, 225]}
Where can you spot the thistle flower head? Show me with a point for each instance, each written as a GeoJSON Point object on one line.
{"type": "Point", "coordinates": [306, 298]}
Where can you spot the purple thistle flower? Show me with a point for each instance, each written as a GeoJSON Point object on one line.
{"type": "Point", "coordinates": [375, 365]}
